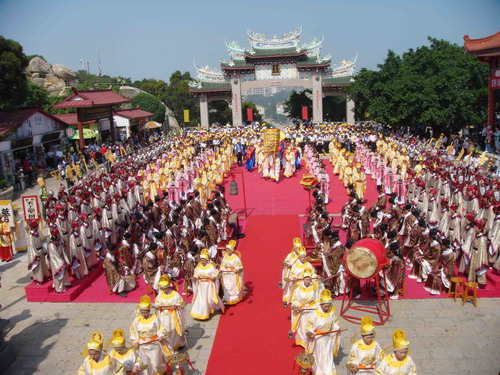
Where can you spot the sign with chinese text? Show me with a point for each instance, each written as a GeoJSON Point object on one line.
{"type": "Point", "coordinates": [186, 115]}
{"type": "Point", "coordinates": [305, 114]}
{"type": "Point", "coordinates": [6, 212]}
{"type": "Point", "coordinates": [96, 113]}
{"type": "Point", "coordinates": [70, 132]}
{"type": "Point", "coordinates": [249, 114]}
{"type": "Point", "coordinates": [30, 207]}
{"type": "Point", "coordinates": [494, 83]}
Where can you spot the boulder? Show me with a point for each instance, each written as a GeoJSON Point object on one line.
{"type": "Point", "coordinates": [63, 72]}
{"type": "Point", "coordinates": [35, 75]}
{"type": "Point", "coordinates": [39, 65]}
{"type": "Point", "coordinates": [53, 83]}
{"type": "Point", "coordinates": [129, 92]}
{"type": "Point", "coordinates": [38, 81]}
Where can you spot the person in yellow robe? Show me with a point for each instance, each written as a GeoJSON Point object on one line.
{"type": "Point", "coordinates": [96, 362]}
{"type": "Point", "coordinates": [399, 362]}
{"type": "Point", "coordinates": [124, 358]}
{"type": "Point", "coordinates": [347, 173]}
{"type": "Point", "coordinates": [231, 270]}
{"type": "Point", "coordinates": [296, 271]}
{"type": "Point", "coordinates": [366, 353]}
{"type": "Point", "coordinates": [148, 338]}
{"type": "Point", "coordinates": [170, 310]}
{"type": "Point", "coordinates": [5, 240]}
{"type": "Point", "coordinates": [205, 288]}
{"type": "Point", "coordinates": [323, 334]}
{"type": "Point", "coordinates": [287, 264]}
{"type": "Point", "coordinates": [304, 302]}
{"type": "Point", "coordinates": [359, 181]}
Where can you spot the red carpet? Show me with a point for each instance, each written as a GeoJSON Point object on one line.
{"type": "Point", "coordinates": [252, 337]}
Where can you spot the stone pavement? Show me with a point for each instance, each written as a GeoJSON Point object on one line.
{"type": "Point", "coordinates": [47, 338]}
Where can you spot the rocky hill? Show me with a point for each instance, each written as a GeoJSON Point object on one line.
{"type": "Point", "coordinates": [55, 78]}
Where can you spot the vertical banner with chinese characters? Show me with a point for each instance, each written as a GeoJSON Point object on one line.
{"type": "Point", "coordinates": [30, 207]}
{"type": "Point", "coordinates": [250, 114]}
{"type": "Point", "coordinates": [6, 213]}
{"type": "Point", "coordinates": [305, 114]}
{"type": "Point", "coordinates": [186, 115]}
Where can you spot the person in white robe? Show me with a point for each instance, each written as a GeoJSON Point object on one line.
{"type": "Point", "coordinates": [366, 353]}
{"type": "Point", "coordinates": [205, 289]}
{"type": "Point", "coordinates": [323, 334]}
{"type": "Point", "coordinates": [59, 262]}
{"type": "Point", "coordinates": [231, 270]}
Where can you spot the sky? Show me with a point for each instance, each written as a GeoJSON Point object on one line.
{"type": "Point", "coordinates": [153, 38]}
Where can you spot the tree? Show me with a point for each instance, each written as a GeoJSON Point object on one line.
{"type": "Point", "coordinates": [256, 115]}
{"type": "Point", "coordinates": [220, 112]}
{"type": "Point", "coordinates": [178, 98]}
{"type": "Point", "coordinates": [149, 103]}
{"type": "Point", "coordinates": [13, 81]}
{"type": "Point", "coordinates": [334, 108]}
{"type": "Point", "coordinates": [295, 102]}
{"type": "Point", "coordinates": [436, 86]}
{"type": "Point", "coordinates": [37, 96]}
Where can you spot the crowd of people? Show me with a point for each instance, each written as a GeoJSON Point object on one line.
{"type": "Point", "coordinates": [160, 214]}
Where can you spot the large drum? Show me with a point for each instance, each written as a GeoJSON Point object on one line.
{"type": "Point", "coordinates": [366, 258]}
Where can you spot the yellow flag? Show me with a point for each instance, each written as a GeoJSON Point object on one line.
{"type": "Point", "coordinates": [186, 115]}
{"type": "Point", "coordinates": [282, 135]}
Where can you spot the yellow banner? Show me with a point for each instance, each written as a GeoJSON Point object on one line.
{"type": "Point", "coordinates": [186, 115]}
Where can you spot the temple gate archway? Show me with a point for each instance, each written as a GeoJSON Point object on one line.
{"type": "Point", "coordinates": [273, 62]}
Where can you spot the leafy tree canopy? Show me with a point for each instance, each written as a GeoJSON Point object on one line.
{"type": "Point", "coordinates": [151, 104]}
{"type": "Point", "coordinates": [13, 81]}
{"type": "Point", "coordinates": [437, 86]}
{"type": "Point", "coordinates": [293, 105]}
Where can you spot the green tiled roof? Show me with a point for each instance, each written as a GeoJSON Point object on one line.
{"type": "Point", "coordinates": [262, 52]}
{"type": "Point", "coordinates": [311, 60]}
{"type": "Point", "coordinates": [238, 64]}
{"type": "Point", "coordinates": [337, 81]}
{"type": "Point", "coordinates": [213, 86]}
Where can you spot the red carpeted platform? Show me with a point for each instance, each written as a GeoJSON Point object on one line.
{"type": "Point", "coordinates": [45, 292]}
{"type": "Point", "coordinates": [252, 337]}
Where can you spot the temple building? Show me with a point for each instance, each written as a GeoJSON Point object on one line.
{"type": "Point", "coordinates": [274, 62]}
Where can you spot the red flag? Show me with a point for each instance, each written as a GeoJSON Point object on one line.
{"type": "Point", "coordinates": [249, 114]}
{"type": "Point", "coordinates": [305, 113]}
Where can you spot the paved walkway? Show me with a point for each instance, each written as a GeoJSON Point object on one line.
{"type": "Point", "coordinates": [47, 338]}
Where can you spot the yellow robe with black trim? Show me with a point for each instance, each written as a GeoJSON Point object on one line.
{"type": "Point", "coordinates": [172, 318]}
{"type": "Point", "coordinates": [232, 278]}
{"type": "Point", "coordinates": [391, 366]}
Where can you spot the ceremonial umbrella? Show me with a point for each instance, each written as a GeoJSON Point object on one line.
{"type": "Point", "coordinates": [152, 125]}
{"type": "Point", "coordinates": [87, 134]}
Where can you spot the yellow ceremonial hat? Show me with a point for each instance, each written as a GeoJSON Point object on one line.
{"type": "Point", "coordinates": [297, 241]}
{"type": "Point", "coordinates": [95, 342]}
{"type": "Point", "coordinates": [358, 165]}
{"type": "Point", "coordinates": [325, 296]}
{"type": "Point", "coordinates": [204, 254]}
{"type": "Point", "coordinates": [164, 281]}
{"type": "Point", "coordinates": [399, 340]}
{"type": "Point", "coordinates": [307, 273]}
{"type": "Point", "coordinates": [302, 251]}
{"type": "Point", "coordinates": [145, 303]}
{"type": "Point", "coordinates": [367, 327]}
{"type": "Point", "coordinates": [118, 338]}
{"type": "Point", "coordinates": [231, 245]}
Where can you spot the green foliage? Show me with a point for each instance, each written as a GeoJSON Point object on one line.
{"type": "Point", "coordinates": [334, 108]}
{"type": "Point", "coordinates": [438, 86]}
{"type": "Point", "coordinates": [293, 105]}
{"type": "Point", "coordinates": [89, 81]}
{"type": "Point", "coordinates": [149, 103]}
{"type": "Point", "coordinates": [13, 81]}
{"type": "Point", "coordinates": [3, 183]}
{"type": "Point", "coordinates": [219, 112]}
{"type": "Point", "coordinates": [37, 96]}
{"type": "Point", "coordinates": [256, 115]}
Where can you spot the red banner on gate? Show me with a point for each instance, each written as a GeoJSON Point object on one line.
{"type": "Point", "coordinates": [494, 83]}
{"type": "Point", "coordinates": [249, 114]}
{"type": "Point", "coordinates": [305, 114]}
